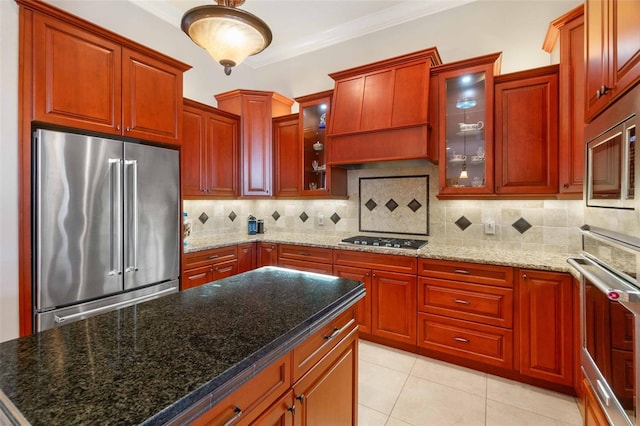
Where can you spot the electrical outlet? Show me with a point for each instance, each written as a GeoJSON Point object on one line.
{"type": "Point", "coordinates": [490, 227]}
{"type": "Point", "coordinates": [321, 219]}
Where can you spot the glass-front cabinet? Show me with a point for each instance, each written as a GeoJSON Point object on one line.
{"type": "Point", "coordinates": [314, 115]}
{"type": "Point", "coordinates": [466, 126]}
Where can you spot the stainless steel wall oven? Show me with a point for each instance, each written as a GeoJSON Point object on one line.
{"type": "Point", "coordinates": [610, 320]}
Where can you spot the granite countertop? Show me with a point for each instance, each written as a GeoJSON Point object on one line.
{"type": "Point", "coordinates": [515, 258]}
{"type": "Point", "coordinates": [150, 362]}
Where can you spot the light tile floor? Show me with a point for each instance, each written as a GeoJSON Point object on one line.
{"type": "Point", "coordinates": [398, 388]}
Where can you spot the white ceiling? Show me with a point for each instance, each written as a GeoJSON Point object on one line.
{"type": "Point", "coordinates": [302, 26]}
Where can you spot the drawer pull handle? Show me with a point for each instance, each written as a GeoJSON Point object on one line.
{"type": "Point", "coordinates": [462, 271]}
{"type": "Point", "coordinates": [461, 339]}
{"type": "Point", "coordinates": [303, 253]}
{"type": "Point", "coordinates": [462, 302]}
{"type": "Point", "coordinates": [236, 416]}
{"type": "Point", "coordinates": [336, 331]}
{"type": "Point", "coordinates": [195, 277]}
{"type": "Point", "coordinates": [215, 256]}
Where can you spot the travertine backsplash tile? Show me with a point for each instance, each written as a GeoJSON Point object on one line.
{"type": "Point", "coordinates": [554, 223]}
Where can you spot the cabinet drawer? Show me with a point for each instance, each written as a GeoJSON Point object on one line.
{"type": "Point", "coordinates": [386, 262]}
{"type": "Point", "coordinates": [481, 303]}
{"type": "Point", "coordinates": [300, 265]}
{"type": "Point", "coordinates": [225, 269]}
{"type": "Point", "coordinates": [253, 397]}
{"type": "Point", "coordinates": [309, 352]}
{"type": "Point", "coordinates": [477, 342]}
{"type": "Point", "coordinates": [197, 276]}
{"type": "Point", "coordinates": [204, 257]}
{"type": "Point", "coordinates": [309, 254]}
{"type": "Point", "coordinates": [500, 276]}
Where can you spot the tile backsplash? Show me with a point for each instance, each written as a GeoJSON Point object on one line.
{"type": "Point", "coordinates": [536, 225]}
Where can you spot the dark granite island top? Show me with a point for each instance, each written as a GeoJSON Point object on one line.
{"type": "Point", "coordinates": [150, 362]}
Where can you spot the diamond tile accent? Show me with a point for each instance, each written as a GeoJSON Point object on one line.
{"type": "Point", "coordinates": [391, 205]}
{"type": "Point", "coordinates": [203, 218]}
{"type": "Point", "coordinates": [232, 215]}
{"type": "Point", "coordinates": [521, 225]}
{"type": "Point", "coordinates": [303, 216]}
{"type": "Point", "coordinates": [371, 204]}
{"type": "Point", "coordinates": [414, 205]}
{"type": "Point", "coordinates": [463, 223]}
{"type": "Point", "coordinates": [335, 218]}
{"type": "Point", "coordinates": [275, 215]}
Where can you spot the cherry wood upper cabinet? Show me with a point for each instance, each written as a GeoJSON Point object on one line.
{"type": "Point", "coordinates": [256, 110]}
{"type": "Point", "coordinates": [210, 145]}
{"type": "Point", "coordinates": [612, 52]}
{"type": "Point", "coordinates": [86, 79]}
{"type": "Point", "coordinates": [286, 147]}
{"type": "Point", "coordinates": [526, 132]}
{"type": "Point", "coordinates": [381, 102]}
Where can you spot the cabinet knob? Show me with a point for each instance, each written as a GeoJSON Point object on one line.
{"type": "Point", "coordinates": [524, 276]}
{"type": "Point", "coordinates": [128, 129]}
{"type": "Point", "coordinates": [565, 185]}
{"type": "Point", "coordinates": [374, 274]}
{"type": "Point", "coordinates": [117, 127]}
{"type": "Point", "coordinates": [367, 274]}
{"type": "Point", "coordinates": [300, 398]}
{"type": "Point", "coordinates": [603, 90]}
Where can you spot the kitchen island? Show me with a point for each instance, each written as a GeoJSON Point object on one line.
{"type": "Point", "coordinates": [184, 353]}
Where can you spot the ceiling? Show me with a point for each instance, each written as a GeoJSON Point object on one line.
{"type": "Point", "coordinates": [302, 26]}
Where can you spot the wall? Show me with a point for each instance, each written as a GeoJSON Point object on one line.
{"type": "Point", "coordinates": [554, 224]}
{"type": "Point", "coordinates": [471, 30]}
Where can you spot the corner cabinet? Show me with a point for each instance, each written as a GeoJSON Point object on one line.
{"type": "Point", "coordinates": [465, 125]}
{"type": "Point", "coordinates": [380, 110]}
{"type": "Point", "coordinates": [210, 143]}
{"type": "Point", "coordinates": [90, 79]}
{"type": "Point", "coordinates": [256, 110]}
{"type": "Point", "coordinates": [612, 52]}
{"type": "Point", "coordinates": [318, 177]}
{"type": "Point", "coordinates": [526, 133]}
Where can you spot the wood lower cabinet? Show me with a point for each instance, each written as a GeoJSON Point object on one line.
{"type": "Point", "coordinates": [247, 257]}
{"type": "Point", "coordinates": [267, 254]}
{"type": "Point", "coordinates": [304, 258]}
{"type": "Point", "coordinates": [388, 311]}
{"type": "Point", "coordinates": [89, 79]}
{"type": "Point", "coordinates": [526, 132]}
{"type": "Point", "coordinates": [210, 145]}
{"type": "Point", "coordinates": [314, 384]}
{"type": "Point", "coordinates": [593, 414]}
{"type": "Point", "coordinates": [546, 326]}
{"type": "Point", "coordinates": [205, 266]}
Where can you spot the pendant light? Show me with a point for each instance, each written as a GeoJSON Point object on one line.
{"type": "Point", "coordinates": [229, 34]}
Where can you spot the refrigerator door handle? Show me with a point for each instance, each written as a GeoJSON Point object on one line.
{"type": "Point", "coordinates": [133, 190]}
{"type": "Point", "coordinates": [114, 306]}
{"type": "Point", "coordinates": [115, 261]}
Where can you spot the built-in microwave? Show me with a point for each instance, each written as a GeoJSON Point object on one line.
{"type": "Point", "coordinates": [611, 167]}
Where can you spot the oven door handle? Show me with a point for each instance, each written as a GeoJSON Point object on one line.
{"type": "Point", "coordinates": [615, 289]}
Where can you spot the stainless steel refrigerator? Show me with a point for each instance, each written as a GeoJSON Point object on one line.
{"type": "Point", "coordinates": [106, 225]}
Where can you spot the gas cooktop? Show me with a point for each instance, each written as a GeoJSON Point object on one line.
{"type": "Point", "coordinates": [404, 243]}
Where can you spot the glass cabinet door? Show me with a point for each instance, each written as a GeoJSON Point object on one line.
{"type": "Point", "coordinates": [466, 138]}
{"type": "Point", "coordinates": [314, 161]}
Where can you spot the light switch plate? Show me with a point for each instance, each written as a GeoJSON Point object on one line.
{"type": "Point", "coordinates": [490, 227]}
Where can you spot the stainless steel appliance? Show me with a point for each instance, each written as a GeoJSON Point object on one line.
{"type": "Point", "coordinates": [106, 225]}
{"type": "Point", "coordinates": [404, 243]}
{"type": "Point", "coordinates": [611, 166]}
{"type": "Point", "coordinates": [610, 320]}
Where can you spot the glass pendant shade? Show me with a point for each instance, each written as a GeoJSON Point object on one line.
{"type": "Point", "coordinates": [463, 173]}
{"type": "Point", "coordinates": [230, 35]}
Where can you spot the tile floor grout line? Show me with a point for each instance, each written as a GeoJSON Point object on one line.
{"type": "Point", "coordinates": [398, 397]}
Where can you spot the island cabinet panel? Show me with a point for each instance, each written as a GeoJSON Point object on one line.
{"type": "Point", "coordinates": [256, 109]}
{"type": "Point", "coordinates": [546, 326]}
{"type": "Point", "coordinates": [281, 412]}
{"type": "Point", "coordinates": [304, 258]}
{"type": "Point", "coordinates": [388, 310]}
{"type": "Point", "coordinates": [328, 393]}
{"type": "Point", "coordinates": [210, 144]}
{"type": "Point", "coordinates": [466, 310]}
{"type": "Point", "coordinates": [205, 266]}
{"type": "Point", "coordinates": [253, 398]}
{"type": "Point", "coordinates": [246, 257]}
{"type": "Point", "coordinates": [267, 254]}
{"type": "Point", "coordinates": [612, 52]}
{"type": "Point", "coordinates": [363, 307]}
{"type": "Point", "coordinates": [379, 101]}
{"type": "Point", "coordinates": [526, 132]}
{"type": "Point", "coordinates": [88, 79]}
